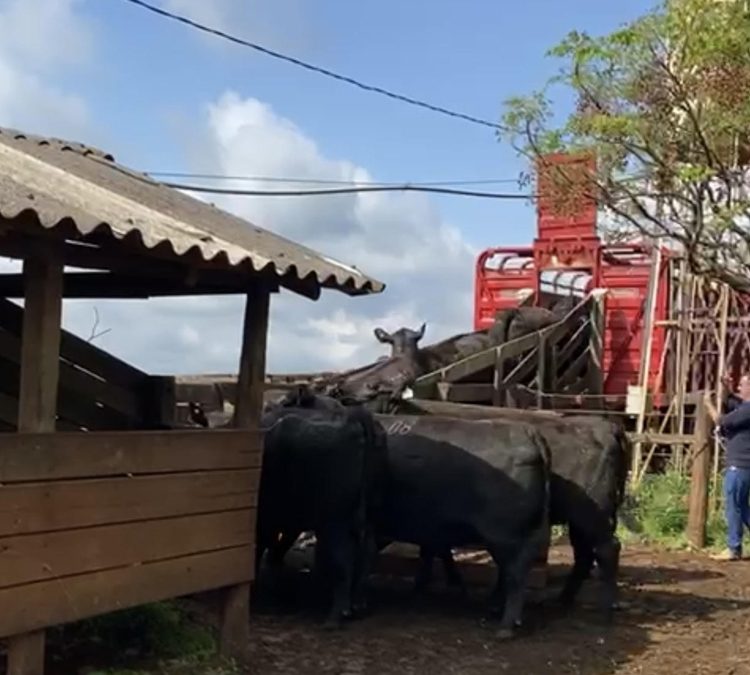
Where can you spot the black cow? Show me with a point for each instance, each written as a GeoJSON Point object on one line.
{"type": "Point", "coordinates": [323, 471]}
{"type": "Point", "coordinates": [454, 483]}
{"type": "Point", "coordinates": [590, 457]}
{"type": "Point", "coordinates": [404, 343]}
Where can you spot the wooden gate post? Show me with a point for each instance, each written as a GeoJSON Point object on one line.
{"type": "Point", "coordinates": [37, 400]}
{"type": "Point", "coordinates": [699, 477]}
{"type": "Point", "coordinates": [235, 626]}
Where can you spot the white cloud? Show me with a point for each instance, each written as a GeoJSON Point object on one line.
{"type": "Point", "coordinates": [39, 39]}
{"type": "Point", "coordinates": [276, 24]}
{"type": "Point", "coordinates": [398, 238]}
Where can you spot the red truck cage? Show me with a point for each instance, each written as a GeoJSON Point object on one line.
{"type": "Point", "coordinates": [567, 256]}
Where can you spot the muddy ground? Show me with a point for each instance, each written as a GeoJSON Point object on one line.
{"type": "Point", "coordinates": [683, 614]}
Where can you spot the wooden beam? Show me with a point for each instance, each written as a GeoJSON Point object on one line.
{"type": "Point", "coordinates": [250, 382]}
{"type": "Point", "coordinates": [116, 285]}
{"type": "Point", "coordinates": [235, 615]}
{"type": "Point", "coordinates": [37, 405]}
{"type": "Point", "coordinates": [40, 349]}
{"type": "Point", "coordinates": [699, 478]}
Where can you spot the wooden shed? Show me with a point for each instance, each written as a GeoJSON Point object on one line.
{"type": "Point", "coordinates": [92, 522]}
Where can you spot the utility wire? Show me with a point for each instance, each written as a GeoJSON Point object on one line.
{"type": "Point", "coordinates": [346, 190]}
{"type": "Point", "coordinates": [317, 69]}
{"type": "Point", "coordinates": [325, 181]}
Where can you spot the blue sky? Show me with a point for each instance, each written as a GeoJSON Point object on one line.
{"type": "Point", "coordinates": [468, 55]}
{"type": "Point", "coordinates": [162, 97]}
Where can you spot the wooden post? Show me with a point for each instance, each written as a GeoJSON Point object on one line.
{"type": "Point", "coordinates": [544, 371]}
{"type": "Point", "coordinates": [595, 375]}
{"type": "Point", "coordinates": [37, 401]}
{"type": "Point", "coordinates": [699, 477]}
{"type": "Point", "coordinates": [498, 398]}
{"type": "Point", "coordinates": [235, 627]}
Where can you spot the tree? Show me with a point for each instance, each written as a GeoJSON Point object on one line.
{"type": "Point", "coordinates": [663, 104]}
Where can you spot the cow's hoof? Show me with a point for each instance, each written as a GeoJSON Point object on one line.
{"type": "Point", "coordinates": [333, 623]}
{"type": "Point", "coordinates": [505, 634]}
{"type": "Point", "coordinates": [360, 610]}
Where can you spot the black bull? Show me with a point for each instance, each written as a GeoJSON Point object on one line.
{"type": "Point", "coordinates": [323, 471]}
{"type": "Point", "coordinates": [589, 462]}
{"type": "Point", "coordinates": [457, 483]}
{"type": "Point", "coordinates": [439, 495]}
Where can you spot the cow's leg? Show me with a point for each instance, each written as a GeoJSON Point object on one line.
{"type": "Point", "coordinates": [608, 557]}
{"type": "Point", "coordinates": [453, 577]}
{"type": "Point", "coordinates": [366, 554]}
{"type": "Point", "coordinates": [423, 578]}
{"type": "Point", "coordinates": [338, 545]}
{"type": "Point", "coordinates": [583, 562]}
{"type": "Point", "coordinates": [281, 547]}
{"type": "Point", "coordinates": [515, 561]}
{"type": "Point", "coordinates": [514, 565]}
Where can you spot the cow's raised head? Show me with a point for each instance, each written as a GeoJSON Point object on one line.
{"type": "Point", "coordinates": [404, 341]}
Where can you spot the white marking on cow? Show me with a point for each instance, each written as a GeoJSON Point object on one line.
{"type": "Point", "coordinates": [399, 427]}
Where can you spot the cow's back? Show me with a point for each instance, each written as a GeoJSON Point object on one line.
{"type": "Point", "coordinates": [441, 495]}
{"type": "Point", "coordinates": [505, 446]}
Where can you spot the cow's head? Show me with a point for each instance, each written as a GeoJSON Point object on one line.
{"type": "Point", "coordinates": [404, 341]}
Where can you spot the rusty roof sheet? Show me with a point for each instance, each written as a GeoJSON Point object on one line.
{"type": "Point", "coordinates": [63, 182]}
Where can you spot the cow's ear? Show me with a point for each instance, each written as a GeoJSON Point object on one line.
{"type": "Point", "coordinates": [422, 328]}
{"type": "Point", "coordinates": [382, 336]}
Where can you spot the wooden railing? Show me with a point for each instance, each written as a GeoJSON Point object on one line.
{"type": "Point", "coordinates": [97, 391]}
{"type": "Point", "coordinates": [564, 359]}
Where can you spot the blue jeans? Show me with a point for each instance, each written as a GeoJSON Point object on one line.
{"type": "Point", "coordinates": [737, 505]}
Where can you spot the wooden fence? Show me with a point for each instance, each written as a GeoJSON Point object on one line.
{"type": "Point", "coordinates": [562, 359]}
{"type": "Point", "coordinates": [97, 391]}
{"type": "Point", "coordinates": [101, 521]}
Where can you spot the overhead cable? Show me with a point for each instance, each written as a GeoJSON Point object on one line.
{"type": "Point", "coordinates": [346, 190]}
{"type": "Point", "coordinates": [308, 66]}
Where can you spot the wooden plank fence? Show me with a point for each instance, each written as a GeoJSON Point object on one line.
{"type": "Point", "coordinates": [96, 391]}
{"type": "Point", "coordinates": [92, 523]}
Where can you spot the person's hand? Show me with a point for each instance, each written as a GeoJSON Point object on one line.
{"type": "Point", "coordinates": [726, 381]}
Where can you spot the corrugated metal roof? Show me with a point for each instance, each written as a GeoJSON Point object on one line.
{"type": "Point", "coordinates": [62, 183]}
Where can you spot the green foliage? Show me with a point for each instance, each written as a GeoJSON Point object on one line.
{"type": "Point", "coordinates": [657, 513]}
{"type": "Point", "coordinates": [664, 102]}
{"type": "Point", "coordinates": [143, 639]}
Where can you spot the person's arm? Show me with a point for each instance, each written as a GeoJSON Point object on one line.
{"type": "Point", "coordinates": [736, 420]}
{"type": "Point", "coordinates": [731, 403]}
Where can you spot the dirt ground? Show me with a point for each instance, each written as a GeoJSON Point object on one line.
{"type": "Point", "coordinates": [682, 614]}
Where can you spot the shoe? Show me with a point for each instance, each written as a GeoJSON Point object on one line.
{"type": "Point", "coordinates": [727, 555]}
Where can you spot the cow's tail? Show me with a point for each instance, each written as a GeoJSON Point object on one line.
{"type": "Point", "coordinates": [624, 456]}
{"type": "Point", "coordinates": [367, 423]}
{"type": "Point", "coordinates": [507, 318]}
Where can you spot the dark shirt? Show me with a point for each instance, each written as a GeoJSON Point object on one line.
{"type": "Point", "coordinates": [734, 426]}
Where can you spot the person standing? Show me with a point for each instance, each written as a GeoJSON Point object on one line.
{"type": "Point", "coordinates": [734, 427]}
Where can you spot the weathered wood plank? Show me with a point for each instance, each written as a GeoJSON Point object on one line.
{"type": "Point", "coordinates": [465, 392]}
{"type": "Point", "coordinates": [46, 457]}
{"type": "Point", "coordinates": [40, 353]}
{"type": "Point", "coordinates": [235, 617]}
{"type": "Point", "coordinates": [46, 507]}
{"type": "Point", "coordinates": [54, 555]}
{"type": "Point", "coordinates": [78, 351]}
{"type": "Point", "coordinates": [79, 382]}
{"type": "Point", "coordinates": [26, 654]}
{"type": "Point", "coordinates": [468, 411]}
{"type": "Point", "coordinates": [75, 410]}
{"type": "Point", "coordinates": [49, 603]}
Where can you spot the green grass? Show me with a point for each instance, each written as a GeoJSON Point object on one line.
{"type": "Point", "coordinates": [657, 513]}
{"type": "Point", "coordinates": [155, 639]}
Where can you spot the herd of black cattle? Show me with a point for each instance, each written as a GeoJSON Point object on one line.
{"type": "Point", "coordinates": [360, 479]}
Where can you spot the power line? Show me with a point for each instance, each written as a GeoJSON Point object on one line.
{"type": "Point", "coordinates": [317, 69]}
{"type": "Point", "coordinates": [346, 190]}
{"type": "Point", "coordinates": [325, 181]}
